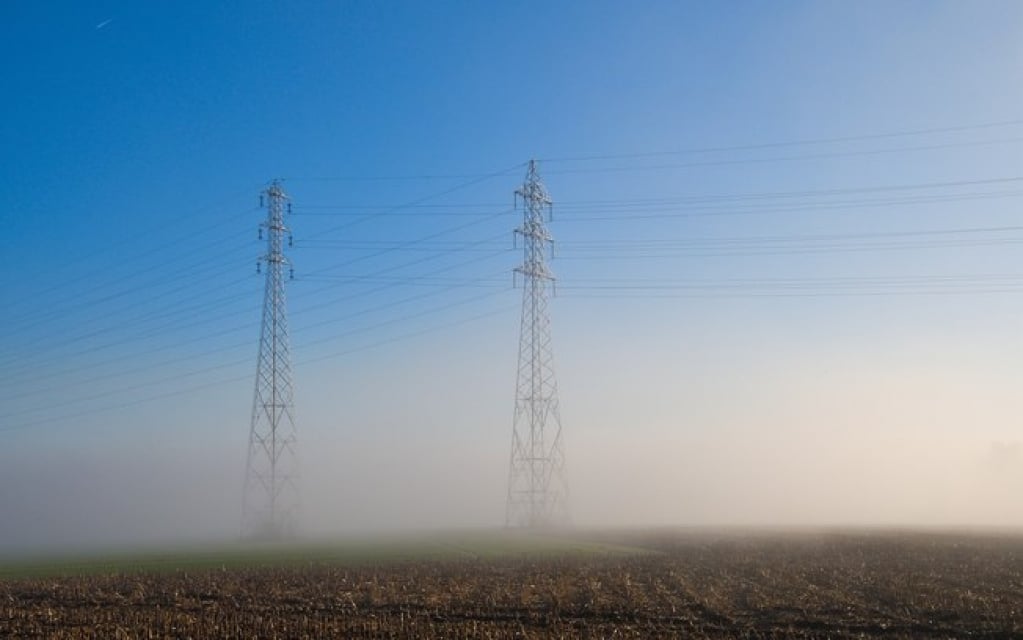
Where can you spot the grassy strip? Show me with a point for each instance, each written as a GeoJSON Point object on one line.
{"type": "Point", "coordinates": [355, 552]}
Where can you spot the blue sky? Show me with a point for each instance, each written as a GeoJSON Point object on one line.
{"type": "Point", "coordinates": [782, 227]}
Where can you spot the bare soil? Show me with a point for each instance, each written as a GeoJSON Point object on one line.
{"type": "Point", "coordinates": [883, 585]}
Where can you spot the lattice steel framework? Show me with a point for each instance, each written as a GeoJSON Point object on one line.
{"type": "Point", "coordinates": [271, 491]}
{"type": "Point", "coordinates": [536, 482]}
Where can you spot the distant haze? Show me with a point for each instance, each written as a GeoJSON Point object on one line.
{"type": "Point", "coordinates": [865, 446]}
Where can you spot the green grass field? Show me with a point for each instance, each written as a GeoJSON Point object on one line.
{"type": "Point", "coordinates": [389, 549]}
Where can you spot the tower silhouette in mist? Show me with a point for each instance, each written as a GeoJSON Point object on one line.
{"type": "Point", "coordinates": [536, 482]}
{"type": "Point", "coordinates": [271, 491]}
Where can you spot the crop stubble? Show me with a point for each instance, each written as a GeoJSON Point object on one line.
{"type": "Point", "coordinates": [702, 586]}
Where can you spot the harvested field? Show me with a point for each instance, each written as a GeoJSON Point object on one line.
{"type": "Point", "coordinates": [694, 585]}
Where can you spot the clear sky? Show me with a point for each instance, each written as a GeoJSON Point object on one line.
{"type": "Point", "coordinates": [788, 242]}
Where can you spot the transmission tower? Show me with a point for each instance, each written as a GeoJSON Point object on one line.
{"type": "Point", "coordinates": [536, 482]}
{"type": "Point", "coordinates": [271, 492]}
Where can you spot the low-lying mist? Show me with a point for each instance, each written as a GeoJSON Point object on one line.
{"type": "Point", "coordinates": [793, 439]}
{"type": "Point", "coordinates": [100, 500]}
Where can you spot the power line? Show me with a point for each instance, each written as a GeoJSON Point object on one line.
{"type": "Point", "coordinates": [202, 321]}
{"type": "Point", "coordinates": [133, 239]}
{"type": "Point", "coordinates": [208, 385]}
{"type": "Point", "coordinates": [416, 244]}
{"type": "Point", "coordinates": [233, 347]}
{"type": "Point", "coordinates": [788, 143]}
{"type": "Point", "coordinates": [698, 247]}
{"type": "Point", "coordinates": [418, 201]}
{"type": "Point", "coordinates": [881, 241]}
{"type": "Point", "coordinates": [52, 314]}
{"type": "Point", "coordinates": [205, 319]}
{"type": "Point", "coordinates": [33, 356]}
{"type": "Point", "coordinates": [774, 159]}
{"type": "Point", "coordinates": [623, 295]}
{"type": "Point", "coordinates": [660, 242]}
{"type": "Point", "coordinates": [336, 320]}
{"type": "Point", "coordinates": [212, 263]}
{"type": "Point", "coordinates": [634, 204]}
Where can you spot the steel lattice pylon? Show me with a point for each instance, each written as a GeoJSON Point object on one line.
{"type": "Point", "coordinates": [536, 482]}
{"type": "Point", "coordinates": [271, 492]}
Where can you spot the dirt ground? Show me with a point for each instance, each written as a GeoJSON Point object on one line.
{"type": "Point", "coordinates": [766, 585]}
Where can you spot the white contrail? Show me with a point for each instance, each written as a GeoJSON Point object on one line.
{"type": "Point", "coordinates": [104, 23]}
